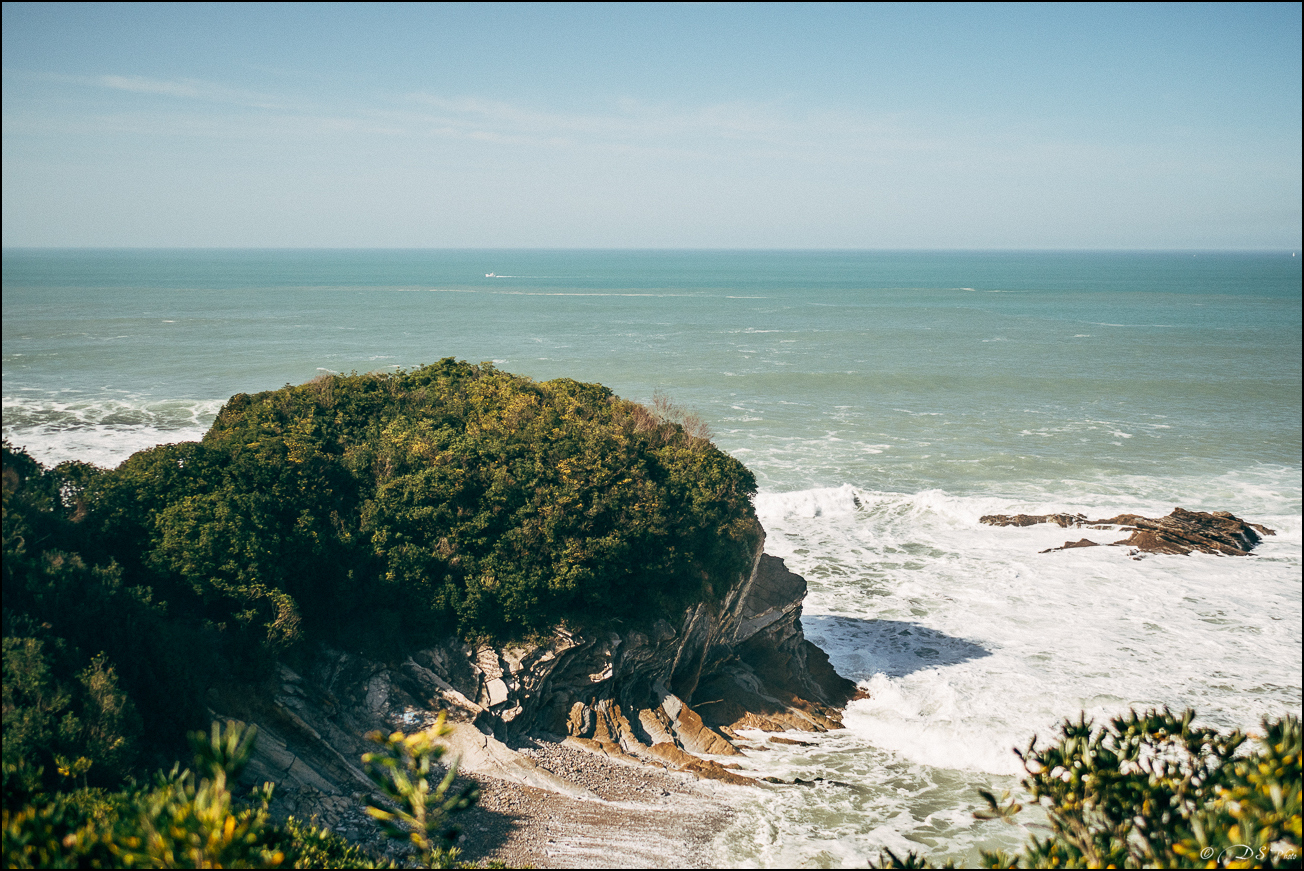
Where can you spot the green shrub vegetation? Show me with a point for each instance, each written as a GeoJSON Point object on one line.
{"type": "Point", "coordinates": [366, 510]}
{"type": "Point", "coordinates": [1154, 791]}
{"type": "Point", "coordinates": [416, 811]}
{"type": "Point", "coordinates": [64, 727]}
{"type": "Point", "coordinates": [358, 509]}
{"type": "Point", "coordinates": [183, 820]}
{"type": "Point", "coordinates": [452, 496]}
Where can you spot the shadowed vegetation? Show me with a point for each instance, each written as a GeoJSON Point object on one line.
{"type": "Point", "coordinates": [371, 511]}
{"type": "Point", "coordinates": [449, 497]}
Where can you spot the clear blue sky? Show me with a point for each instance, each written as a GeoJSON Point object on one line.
{"type": "Point", "coordinates": [716, 126]}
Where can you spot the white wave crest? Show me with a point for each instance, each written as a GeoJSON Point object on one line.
{"type": "Point", "coordinates": [102, 430]}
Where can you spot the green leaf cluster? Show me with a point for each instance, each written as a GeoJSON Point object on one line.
{"type": "Point", "coordinates": [184, 820]}
{"type": "Point", "coordinates": [418, 812]}
{"type": "Point", "coordinates": [1153, 790]}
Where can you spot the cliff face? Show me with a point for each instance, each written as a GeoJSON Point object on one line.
{"type": "Point", "coordinates": [748, 651]}
{"type": "Point", "coordinates": [661, 696]}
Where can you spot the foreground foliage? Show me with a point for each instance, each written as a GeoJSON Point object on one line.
{"type": "Point", "coordinates": [1154, 791]}
{"type": "Point", "coordinates": [417, 813]}
{"type": "Point", "coordinates": [184, 820]}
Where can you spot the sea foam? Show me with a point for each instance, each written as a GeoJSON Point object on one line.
{"type": "Point", "coordinates": [969, 642]}
{"type": "Point", "coordinates": [102, 431]}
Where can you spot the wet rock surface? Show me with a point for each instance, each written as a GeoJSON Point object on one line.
{"type": "Point", "coordinates": [1063, 520]}
{"type": "Point", "coordinates": [1181, 532]}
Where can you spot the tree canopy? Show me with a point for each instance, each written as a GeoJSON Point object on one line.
{"type": "Point", "coordinates": [452, 495]}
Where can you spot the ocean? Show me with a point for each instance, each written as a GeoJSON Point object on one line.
{"type": "Point", "coordinates": [885, 401]}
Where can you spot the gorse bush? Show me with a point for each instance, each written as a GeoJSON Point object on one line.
{"type": "Point", "coordinates": [1154, 791]}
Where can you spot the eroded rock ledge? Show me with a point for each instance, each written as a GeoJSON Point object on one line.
{"type": "Point", "coordinates": [667, 695]}
{"type": "Point", "coordinates": [1181, 532]}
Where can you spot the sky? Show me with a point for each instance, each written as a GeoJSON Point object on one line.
{"type": "Point", "coordinates": [652, 126]}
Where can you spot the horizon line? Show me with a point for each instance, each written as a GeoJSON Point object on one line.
{"type": "Point", "coordinates": [1103, 250]}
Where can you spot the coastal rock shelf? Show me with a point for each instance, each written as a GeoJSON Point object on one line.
{"type": "Point", "coordinates": [666, 696]}
{"type": "Point", "coordinates": [1181, 532]}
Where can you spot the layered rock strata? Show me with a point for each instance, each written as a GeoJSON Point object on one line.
{"type": "Point", "coordinates": [1181, 532]}
{"type": "Point", "coordinates": [668, 695]}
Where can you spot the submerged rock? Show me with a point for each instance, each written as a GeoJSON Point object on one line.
{"type": "Point", "coordinates": [1181, 532]}
{"type": "Point", "coordinates": [1064, 520]}
{"type": "Point", "coordinates": [1082, 542]}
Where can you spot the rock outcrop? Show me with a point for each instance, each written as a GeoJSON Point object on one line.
{"type": "Point", "coordinates": [669, 695]}
{"type": "Point", "coordinates": [1181, 532]}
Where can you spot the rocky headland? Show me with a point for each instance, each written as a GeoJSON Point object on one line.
{"type": "Point", "coordinates": [631, 729]}
{"type": "Point", "coordinates": [1181, 532]}
{"type": "Point", "coordinates": [575, 581]}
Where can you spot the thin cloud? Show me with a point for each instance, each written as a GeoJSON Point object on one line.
{"type": "Point", "coordinates": [757, 132]}
{"type": "Point", "coordinates": [761, 129]}
{"type": "Point", "coordinates": [190, 89]}
{"type": "Point", "coordinates": [638, 126]}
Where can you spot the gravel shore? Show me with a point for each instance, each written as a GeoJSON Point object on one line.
{"type": "Point", "coordinates": [644, 818]}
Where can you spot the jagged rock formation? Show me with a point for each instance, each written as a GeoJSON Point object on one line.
{"type": "Point", "coordinates": [1063, 520]}
{"type": "Point", "coordinates": [665, 696]}
{"type": "Point", "coordinates": [1181, 532]}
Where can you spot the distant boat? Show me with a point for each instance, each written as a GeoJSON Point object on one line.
{"type": "Point", "coordinates": [490, 275]}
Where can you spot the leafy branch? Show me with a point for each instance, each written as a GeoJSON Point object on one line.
{"type": "Point", "coordinates": [1153, 790]}
{"type": "Point", "coordinates": [402, 768]}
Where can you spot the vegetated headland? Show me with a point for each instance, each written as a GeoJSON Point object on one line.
{"type": "Point", "coordinates": [577, 580]}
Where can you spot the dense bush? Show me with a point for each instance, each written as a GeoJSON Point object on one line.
{"type": "Point", "coordinates": [59, 728]}
{"type": "Point", "coordinates": [1154, 791]}
{"type": "Point", "coordinates": [452, 495]}
{"type": "Point", "coordinates": [81, 631]}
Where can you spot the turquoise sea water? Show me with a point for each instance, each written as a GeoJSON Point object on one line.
{"type": "Point", "coordinates": [885, 402]}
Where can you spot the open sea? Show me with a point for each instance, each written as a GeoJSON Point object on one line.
{"type": "Point", "coordinates": [885, 402]}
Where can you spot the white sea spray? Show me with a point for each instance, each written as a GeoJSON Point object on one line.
{"type": "Point", "coordinates": [970, 642]}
